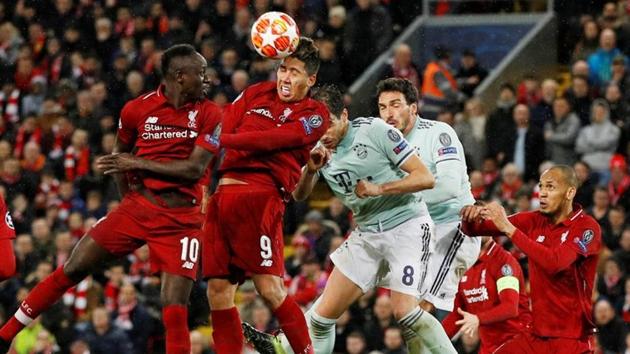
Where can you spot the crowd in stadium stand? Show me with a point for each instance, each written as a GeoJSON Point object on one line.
{"type": "Point", "coordinates": [67, 67]}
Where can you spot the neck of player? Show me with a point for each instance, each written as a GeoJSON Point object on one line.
{"type": "Point", "coordinates": [175, 96]}
{"type": "Point", "coordinates": [563, 213]}
{"type": "Point", "coordinates": [412, 123]}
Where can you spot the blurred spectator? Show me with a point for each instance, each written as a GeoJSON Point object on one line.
{"type": "Point", "coordinates": [601, 206]}
{"type": "Point", "coordinates": [611, 231]}
{"type": "Point", "coordinates": [355, 343]}
{"type": "Point", "coordinates": [367, 33]}
{"type": "Point", "coordinates": [33, 161]}
{"type": "Point", "coordinates": [261, 317]}
{"type": "Point", "coordinates": [580, 68]}
{"type": "Point", "coordinates": [586, 188]}
{"type": "Point", "coordinates": [619, 110]}
{"type": "Point", "coordinates": [383, 318]}
{"type": "Point", "coordinates": [199, 344]}
{"type": "Point", "coordinates": [309, 284]}
{"type": "Point", "coordinates": [26, 257]}
{"type": "Point", "coordinates": [611, 331]}
{"type": "Point", "coordinates": [301, 251]}
{"type": "Point", "coordinates": [542, 112]}
{"type": "Point", "coordinates": [511, 183]}
{"type": "Point", "coordinates": [620, 76]}
{"type": "Point", "coordinates": [619, 181]}
{"type": "Point", "coordinates": [527, 148]}
{"type": "Point", "coordinates": [598, 141]}
{"type": "Point", "coordinates": [470, 73]}
{"type": "Point", "coordinates": [471, 131]}
{"type": "Point", "coordinates": [622, 256]}
{"type": "Point", "coordinates": [116, 276]}
{"type": "Point", "coordinates": [330, 68]}
{"type": "Point", "coordinates": [610, 19]}
{"type": "Point", "coordinates": [580, 98]}
{"type": "Point", "coordinates": [133, 318]}
{"type": "Point", "coordinates": [77, 157]}
{"type": "Point", "coordinates": [344, 326]}
{"type": "Point", "coordinates": [339, 214]}
{"type": "Point", "coordinates": [394, 343]}
{"type": "Point", "coordinates": [63, 247]}
{"type": "Point", "coordinates": [103, 338]}
{"type": "Point", "coordinates": [318, 234]}
{"type": "Point", "coordinates": [588, 42]}
{"type": "Point", "coordinates": [477, 186]}
{"type": "Point", "coordinates": [402, 65]}
{"type": "Point", "coordinates": [501, 121]}
{"type": "Point", "coordinates": [248, 301]}
{"type": "Point", "coordinates": [561, 132]}
{"type": "Point", "coordinates": [439, 87]}
{"type": "Point", "coordinates": [611, 284]}
{"type": "Point", "coordinates": [600, 62]}
{"type": "Point", "coordinates": [528, 91]}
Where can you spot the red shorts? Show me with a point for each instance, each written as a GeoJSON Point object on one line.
{"type": "Point", "coordinates": [7, 259]}
{"type": "Point", "coordinates": [528, 343]}
{"type": "Point", "coordinates": [243, 232]}
{"type": "Point", "coordinates": [171, 233]}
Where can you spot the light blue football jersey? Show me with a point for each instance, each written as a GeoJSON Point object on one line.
{"type": "Point", "coordinates": [437, 142]}
{"type": "Point", "coordinates": [373, 151]}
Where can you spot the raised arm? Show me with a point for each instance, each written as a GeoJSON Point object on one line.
{"type": "Point", "coordinates": [319, 156]}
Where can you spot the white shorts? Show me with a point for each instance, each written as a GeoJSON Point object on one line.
{"type": "Point", "coordinates": [395, 259]}
{"type": "Point", "coordinates": [454, 253]}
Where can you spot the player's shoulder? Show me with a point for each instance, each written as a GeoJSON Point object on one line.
{"type": "Point", "coordinates": [143, 102]}
{"type": "Point", "coordinates": [586, 222]}
{"type": "Point", "coordinates": [259, 88]}
{"type": "Point", "coordinates": [372, 126]}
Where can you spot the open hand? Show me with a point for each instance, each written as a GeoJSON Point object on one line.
{"type": "Point", "coordinates": [117, 163]}
{"type": "Point", "coordinates": [469, 322]}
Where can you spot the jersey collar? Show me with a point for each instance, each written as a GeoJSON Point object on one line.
{"type": "Point", "coordinates": [575, 214]}
{"type": "Point", "coordinates": [490, 251]}
{"type": "Point", "coordinates": [347, 140]}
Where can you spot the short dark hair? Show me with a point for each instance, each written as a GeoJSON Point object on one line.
{"type": "Point", "coordinates": [176, 51]}
{"type": "Point", "coordinates": [507, 86]}
{"type": "Point", "coordinates": [396, 84]}
{"type": "Point", "coordinates": [568, 173]}
{"type": "Point", "coordinates": [308, 53]}
{"type": "Point", "coordinates": [332, 97]}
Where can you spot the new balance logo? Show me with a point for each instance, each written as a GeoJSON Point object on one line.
{"type": "Point", "coordinates": [188, 265]}
{"type": "Point", "coordinates": [541, 238]}
{"type": "Point", "coordinates": [151, 120]}
{"type": "Point", "coordinates": [266, 263]}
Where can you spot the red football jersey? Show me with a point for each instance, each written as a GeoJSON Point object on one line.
{"type": "Point", "coordinates": [7, 231]}
{"type": "Point", "coordinates": [161, 132]}
{"type": "Point", "coordinates": [281, 156]}
{"type": "Point", "coordinates": [562, 265]}
{"type": "Point", "coordinates": [478, 294]}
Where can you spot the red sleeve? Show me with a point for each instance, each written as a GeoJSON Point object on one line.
{"type": "Point", "coordinates": [553, 260]}
{"type": "Point", "coordinates": [128, 124]}
{"type": "Point", "coordinates": [306, 130]}
{"type": "Point", "coordinates": [487, 227]}
{"type": "Point", "coordinates": [211, 128]}
{"type": "Point", "coordinates": [7, 230]}
{"type": "Point", "coordinates": [449, 321]}
{"type": "Point", "coordinates": [506, 309]}
{"type": "Point", "coordinates": [234, 112]}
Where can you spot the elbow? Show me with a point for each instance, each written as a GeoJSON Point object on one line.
{"type": "Point", "coordinates": [299, 196]}
{"type": "Point", "coordinates": [195, 172]}
{"type": "Point", "coordinates": [428, 182]}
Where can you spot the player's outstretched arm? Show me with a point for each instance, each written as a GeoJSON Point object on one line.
{"type": "Point", "coordinates": [418, 178]}
{"type": "Point", "coordinates": [299, 133]}
{"type": "Point", "coordinates": [319, 157]}
{"type": "Point", "coordinates": [192, 168]}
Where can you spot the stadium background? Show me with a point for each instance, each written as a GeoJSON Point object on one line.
{"type": "Point", "coordinates": [68, 66]}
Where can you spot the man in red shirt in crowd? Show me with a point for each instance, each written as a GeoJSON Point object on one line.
{"type": "Point", "coordinates": [492, 298]}
{"type": "Point", "coordinates": [161, 201]}
{"type": "Point", "coordinates": [268, 132]}
{"type": "Point", "coordinates": [7, 234]}
{"type": "Point", "coordinates": [562, 244]}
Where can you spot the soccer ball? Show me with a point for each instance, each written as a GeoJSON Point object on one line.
{"type": "Point", "coordinates": [275, 35]}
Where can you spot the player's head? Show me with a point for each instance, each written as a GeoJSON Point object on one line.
{"type": "Point", "coordinates": [333, 99]}
{"type": "Point", "coordinates": [557, 189]}
{"type": "Point", "coordinates": [297, 73]}
{"type": "Point", "coordinates": [184, 70]}
{"type": "Point", "coordinates": [397, 103]}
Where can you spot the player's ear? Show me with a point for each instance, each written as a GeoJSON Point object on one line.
{"type": "Point", "coordinates": [310, 82]}
{"type": "Point", "coordinates": [571, 193]}
{"type": "Point", "coordinates": [413, 108]}
{"type": "Point", "coordinates": [344, 114]}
